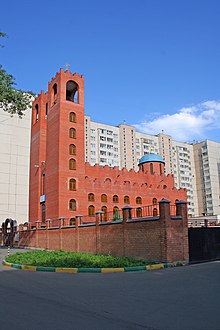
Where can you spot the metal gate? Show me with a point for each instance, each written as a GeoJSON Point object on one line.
{"type": "Point", "coordinates": [204, 244]}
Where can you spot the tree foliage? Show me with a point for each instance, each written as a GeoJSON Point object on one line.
{"type": "Point", "coordinates": [12, 100]}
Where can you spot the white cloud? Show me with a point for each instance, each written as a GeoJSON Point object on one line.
{"type": "Point", "coordinates": [187, 124]}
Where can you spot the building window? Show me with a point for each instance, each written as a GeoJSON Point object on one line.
{"type": "Point", "coordinates": [91, 210]}
{"type": "Point", "coordinates": [154, 201]}
{"type": "Point", "coordinates": [72, 149]}
{"type": "Point", "coordinates": [43, 212]}
{"type": "Point", "coordinates": [72, 117]}
{"type": "Point", "coordinates": [72, 91]}
{"type": "Point", "coordinates": [72, 205]}
{"type": "Point", "coordinates": [36, 114]}
{"type": "Point", "coordinates": [104, 198]}
{"type": "Point", "coordinates": [151, 168]}
{"type": "Point", "coordinates": [155, 212]}
{"type": "Point", "coordinates": [54, 94]}
{"type": "Point", "coordinates": [72, 184]}
{"type": "Point", "coordinates": [115, 199]}
{"type": "Point", "coordinates": [72, 164]}
{"type": "Point", "coordinates": [138, 200]}
{"type": "Point", "coordinates": [127, 200]}
{"type": "Point", "coordinates": [72, 133]}
{"type": "Point", "coordinates": [91, 197]}
{"type": "Point", "coordinates": [105, 216]}
{"type": "Point", "coordinates": [72, 221]}
{"type": "Point", "coordinates": [139, 212]}
{"type": "Point", "coordinates": [46, 111]}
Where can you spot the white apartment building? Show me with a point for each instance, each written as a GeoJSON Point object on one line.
{"type": "Point", "coordinates": [207, 164]}
{"type": "Point", "coordinates": [123, 146]}
{"type": "Point", "coordinates": [184, 171]}
{"type": "Point", "coordinates": [14, 166]}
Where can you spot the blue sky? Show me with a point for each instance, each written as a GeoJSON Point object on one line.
{"type": "Point", "coordinates": [153, 63]}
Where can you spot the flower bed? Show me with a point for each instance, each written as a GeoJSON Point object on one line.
{"type": "Point", "coordinates": [72, 260]}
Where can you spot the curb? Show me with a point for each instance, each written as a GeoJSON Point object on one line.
{"type": "Point", "coordinates": [90, 270]}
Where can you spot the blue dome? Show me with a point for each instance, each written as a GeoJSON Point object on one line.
{"type": "Point", "coordinates": [149, 158]}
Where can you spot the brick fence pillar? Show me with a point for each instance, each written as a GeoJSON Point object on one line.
{"type": "Point", "coordinates": [37, 232]}
{"type": "Point", "coordinates": [126, 213]}
{"type": "Point", "coordinates": [78, 220]}
{"type": "Point", "coordinates": [164, 209]}
{"type": "Point", "coordinates": [47, 233]}
{"type": "Point", "coordinates": [78, 223]}
{"type": "Point", "coordinates": [98, 219]}
{"type": "Point", "coordinates": [181, 210]}
{"type": "Point", "coordinates": [61, 224]}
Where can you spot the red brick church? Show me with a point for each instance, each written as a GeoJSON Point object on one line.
{"type": "Point", "coordinates": [62, 184]}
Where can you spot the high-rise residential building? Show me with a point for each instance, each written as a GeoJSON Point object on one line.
{"type": "Point", "coordinates": [185, 173]}
{"type": "Point", "coordinates": [207, 166]}
{"type": "Point", "coordinates": [14, 166]}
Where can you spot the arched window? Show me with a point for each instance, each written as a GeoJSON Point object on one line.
{"type": "Point", "coordinates": [36, 114]}
{"type": "Point", "coordinates": [72, 91]}
{"type": "Point", "coordinates": [151, 168]}
{"type": "Point", "coordinates": [91, 210]}
{"type": "Point", "coordinates": [154, 201]}
{"type": "Point", "coordinates": [54, 95]}
{"type": "Point", "coordinates": [91, 197]}
{"type": "Point", "coordinates": [138, 200]}
{"type": "Point", "coordinates": [127, 200]}
{"type": "Point", "coordinates": [55, 89]}
{"type": "Point", "coordinates": [72, 184]}
{"type": "Point", "coordinates": [115, 199]}
{"type": "Point", "coordinates": [72, 205]}
{"type": "Point", "coordinates": [46, 110]}
{"type": "Point", "coordinates": [72, 221]}
{"type": "Point", "coordinates": [72, 149]}
{"type": "Point", "coordinates": [43, 212]}
{"type": "Point", "coordinates": [104, 198]}
{"type": "Point", "coordinates": [155, 212]}
{"type": "Point", "coordinates": [72, 133]}
{"type": "Point", "coordinates": [72, 164]}
{"type": "Point", "coordinates": [72, 117]}
{"type": "Point", "coordinates": [139, 212]}
{"type": "Point", "coordinates": [105, 216]}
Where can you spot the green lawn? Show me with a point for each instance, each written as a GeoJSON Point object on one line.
{"type": "Point", "coordinates": [71, 260]}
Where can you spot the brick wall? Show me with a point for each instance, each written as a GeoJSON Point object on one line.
{"type": "Point", "coordinates": [163, 238]}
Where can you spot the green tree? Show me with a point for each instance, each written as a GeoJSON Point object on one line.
{"type": "Point", "coordinates": [12, 100]}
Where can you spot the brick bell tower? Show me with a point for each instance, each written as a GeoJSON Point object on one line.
{"type": "Point", "coordinates": [57, 166]}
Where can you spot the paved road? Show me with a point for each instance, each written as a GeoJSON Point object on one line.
{"type": "Point", "coordinates": [183, 298]}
